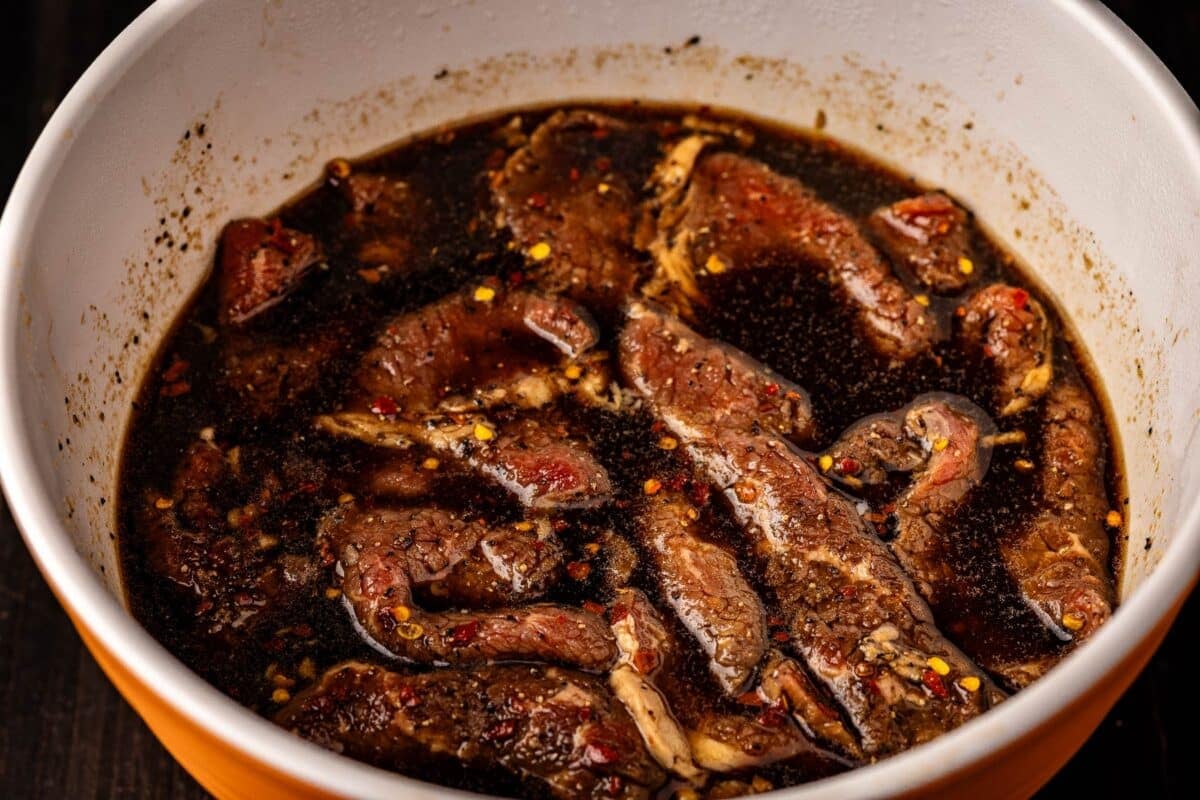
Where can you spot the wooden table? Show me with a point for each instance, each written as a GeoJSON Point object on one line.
{"type": "Point", "coordinates": [66, 733]}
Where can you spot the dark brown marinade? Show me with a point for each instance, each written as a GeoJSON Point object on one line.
{"type": "Point", "coordinates": [785, 318]}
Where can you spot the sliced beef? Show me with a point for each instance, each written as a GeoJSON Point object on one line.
{"type": "Point", "coordinates": [570, 212]}
{"type": "Point", "coordinates": [714, 379]}
{"type": "Point", "coordinates": [738, 214]}
{"type": "Point", "coordinates": [944, 440]}
{"type": "Point", "coordinates": [267, 378]}
{"type": "Point", "coordinates": [1060, 560]}
{"type": "Point", "coordinates": [555, 728]}
{"type": "Point", "coordinates": [510, 564]}
{"type": "Point", "coordinates": [537, 459]}
{"type": "Point", "coordinates": [260, 263]}
{"type": "Point", "coordinates": [220, 555]}
{"type": "Point", "coordinates": [646, 648]}
{"type": "Point", "coordinates": [871, 449]}
{"type": "Point", "coordinates": [784, 682]}
{"type": "Point", "coordinates": [477, 348]}
{"type": "Point", "coordinates": [385, 218]}
{"type": "Point", "coordinates": [1009, 330]}
{"type": "Point", "coordinates": [704, 585]}
{"type": "Point", "coordinates": [954, 433]}
{"type": "Point", "coordinates": [404, 475]}
{"type": "Point", "coordinates": [853, 614]}
{"type": "Point", "coordinates": [737, 743]}
{"type": "Point", "coordinates": [929, 236]}
{"type": "Point", "coordinates": [384, 553]}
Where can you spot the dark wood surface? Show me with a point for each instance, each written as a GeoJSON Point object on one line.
{"type": "Point", "coordinates": [66, 733]}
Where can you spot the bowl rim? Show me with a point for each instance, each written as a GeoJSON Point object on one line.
{"type": "Point", "coordinates": [96, 609]}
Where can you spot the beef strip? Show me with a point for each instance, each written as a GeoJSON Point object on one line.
{"type": "Point", "coordinates": [647, 677]}
{"type": "Point", "coordinates": [854, 615]}
{"type": "Point", "coordinates": [929, 236]}
{"type": "Point", "coordinates": [645, 648]}
{"type": "Point", "coordinates": [534, 458]}
{"type": "Point", "coordinates": [1010, 331]}
{"type": "Point", "coordinates": [738, 214]}
{"type": "Point", "coordinates": [732, 382]}
{"type": "Point", "coordinates": [735, 743]}
{"type": "Point", "coordinates": [266, 377]}
{"type": "Point", "coordinates": [570, 212]}
{"type": "Point", "coordinates": [704, 585]}
{"type": "Point", "coordinates": [944, 440]}
{"type": "Point", "coordinates": [403, 475]}
{"type": "Point", "coordinates": [384, 553]}
{"type": "Point", "coordinates": [871, 449]}
{"type": "Point", "coordinates": [553, 727]}
{"type": "Point", "coordinates": [954, 433]}
{"type": "Point", "coordinates": [261, 262]}
{"type": "Point", "coordinates": [385, 218]}
{"type": "Point", "coordinates": [784, 682]}
{"type": "Point", "coordinates": [227, 560]}
{"type": "Point", "coordinates": [473, 349]}
{"type": "Point", "coordinates": [1060, 559]}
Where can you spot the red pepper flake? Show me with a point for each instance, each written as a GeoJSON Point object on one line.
{"type": "Point", "coordinates": [304, 630]}
{"type": "Point", "coordinates": [502, 730]}
{"type": "Point", "coordinates": [781, 636]}
{"type": "Point", "coordinates": [658, 426]}
{"type": "Point", "coordinates": [933, 682]}
{"type": "Point", "coordinates": [537, 200]}
{"type": "Point", "coordinates": [463, 634]}
{"type": "Point", "coordinates": [573, 174]}
{"type": "Point", "coordinates": [618, 613]}
{"type": "Point", "coordinates": [495, 159]}
{"type": "Point", "coordinates": [584, 713]}
{"type": "Point", "coordinates": [849, 466]}
{"type": "Point", "coordinates": [773, 716]}
{"type": "Point", "coordinates": [281, 238]}
{"type": "Point", "coordinates": [700, 492]}
{"type": "Point", "coordinates": [593, 607]}
{"type": "Point", "coordinates": [776, 622]}
{"type": "Point", "coordinates": [873, 685]}
{"type": "Point", "coordinates": [676, 482]}
{"type": "Point", "coordinates": [600, 133]}
{"type": "Point", "coordinates": [750, 699]}
{"type": "Point", "coordinates": [1020, 297]}
{"type": "Point", "coordinates": [579, 570]}
{"type": "Point", "coordinates": [600, 753]}
{"type": "Point", "coordinates": [771, 389]}
{"type": "Point", "coordinates": [384, 406]}
{"type": "Point", "coordinates": [848, 591]}
{"type": "Point", "coordinates": [603, 164]}
{"type": "Point", "coordinates": [409, 697]}
{"type": "Point", "coordinates": [176, 370]}
{"type": "Point", "coordinates": [175, 389]}
{"type": "Point", "coordinates": [559, 525]}
{"type": "Point", "coordinates": [308, 487]}
{"type": "Point", "coordinates": [516, 278]}
{"type": "Point", "coordinates": [612, 785]}
{"type": "Point", "coordinates": [645, 661]}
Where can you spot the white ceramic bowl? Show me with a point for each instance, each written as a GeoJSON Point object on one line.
{"type": "Point", "coordinates": [1053, 121]}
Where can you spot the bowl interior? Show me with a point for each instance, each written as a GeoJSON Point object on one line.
{"type": "Point", "coordinates": [210, 110]}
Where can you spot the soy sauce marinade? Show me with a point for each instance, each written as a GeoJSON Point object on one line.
{"type": "Point", "coordinates": [226, 481]}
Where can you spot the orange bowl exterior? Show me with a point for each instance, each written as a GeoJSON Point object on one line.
{"type": "Point", "coordinates": [1014, 772]}
{"type": "Point", "coordinates": [223, 770]}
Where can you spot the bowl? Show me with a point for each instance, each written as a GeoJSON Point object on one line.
{"type": "Point", "coordinates": [1050, 119]}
